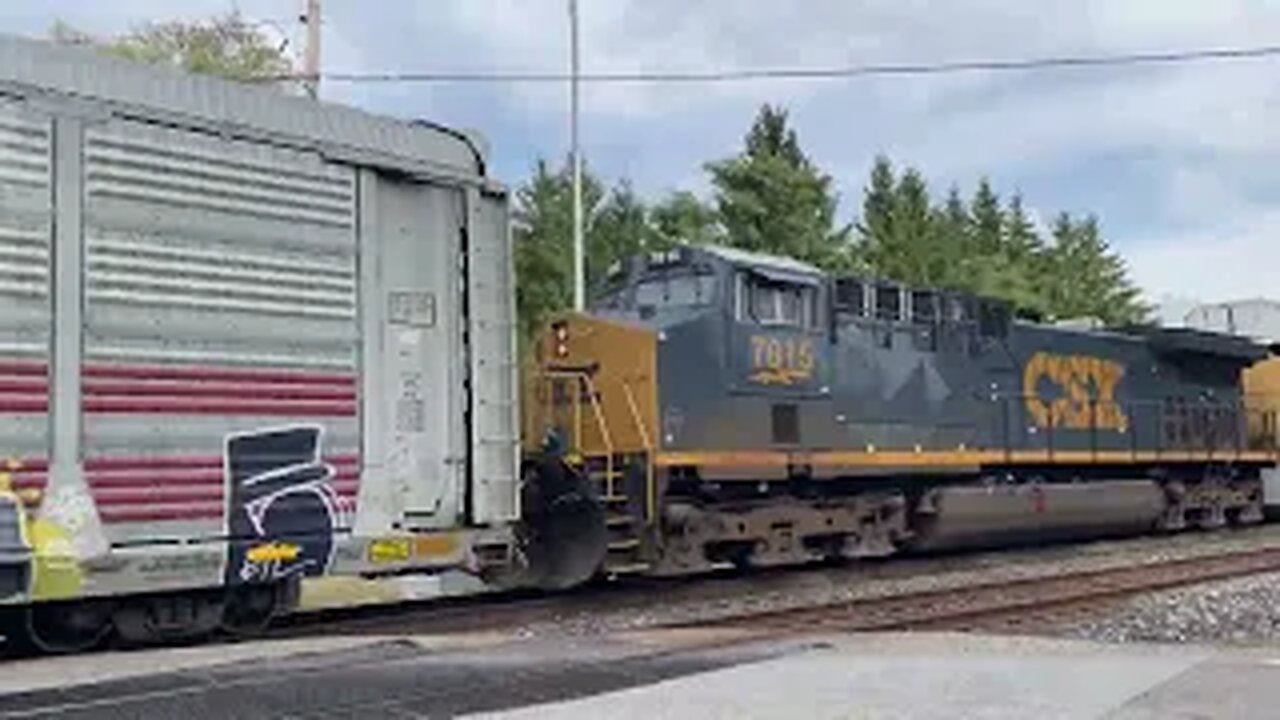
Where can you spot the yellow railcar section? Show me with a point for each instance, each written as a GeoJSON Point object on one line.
{"type": "Point", "coordinates": [593, 382]}
{"type": "Point", "coordinates": [1262, 397]}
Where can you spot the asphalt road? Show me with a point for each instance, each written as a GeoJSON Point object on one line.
{"type": "Point", "coordinates": [391, 679]}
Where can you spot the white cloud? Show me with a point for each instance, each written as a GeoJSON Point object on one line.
{"type": "Point", "coordinates": [1206, 135]}
{"type": "Point", "coordinates": [1228, 261]}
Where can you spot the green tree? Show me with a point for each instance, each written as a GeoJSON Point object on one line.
{"type": "Point", "coordinates": [1084, 278]}
{"type": "Point", "coordinates": [682, 218]}
{"type": "Point", "coordinates": [875, 228]}
{"type": "Point", "coordinates": [1020, 239]}
{"type": "Point", "coordinates": [619, 229]}
{"type": "Point", "coordinates": [542, 220]}
{"type": "Point", "coordinates": [988, 220]}
{"type": "Point", "coordinates": [953, 232]}
{"type": "Point", "coordinates": [617, 225]}
{"type": "Point", "coordinates": [990, 250]}
{"type": "Point", "coordinates": [227, 46]}
{"type": "Point", "coordinates": [913, 256]}
{"type": "Point", "coordinates": [771, 198]}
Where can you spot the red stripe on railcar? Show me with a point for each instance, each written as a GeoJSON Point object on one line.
{"type": "Point", "coordinates": [115, 515]}
{"type": "Point", "coordinates": [10, 386]}
{"type": "Point", "coordinates": [150, 462]}
{"type": "Point", "coordinates": [23, 368]}
{"type": "Point", "coordinates": [135, 478]}
{"type": "Point", "coordinates": [184, 477]}
{"type": "Point", "coordinates": [218, 374]}
{"type": "Point", "coordinates": [180, 406]}
{"type": "Point", "coordinates": [22, 404]}
{"type": "Point", "coordinates": [247, 391]}
{"type": "Point", "coordinates": [132, 489]}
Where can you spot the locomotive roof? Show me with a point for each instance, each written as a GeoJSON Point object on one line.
{"type": "Point", "coordinates": [761, 260]}
{"type": "Point", "coordinates": [42, 70]}
{"type": "Point", "coordinates": [1202, 342]}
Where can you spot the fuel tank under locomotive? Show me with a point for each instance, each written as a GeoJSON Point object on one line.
{"type": "Point", "coordinates": [999, 514]}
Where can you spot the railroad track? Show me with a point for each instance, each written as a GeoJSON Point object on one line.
{"type": "Point", "coordinates": [1023, 604]}
{"type": "Point", "coordinates": [1017, 604]}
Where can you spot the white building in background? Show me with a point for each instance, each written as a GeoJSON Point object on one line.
{"type": "Point", "coordinates": [1256, 318]}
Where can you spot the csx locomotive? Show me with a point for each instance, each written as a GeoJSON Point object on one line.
{"type": "Point", "coordinates": [719, 406]}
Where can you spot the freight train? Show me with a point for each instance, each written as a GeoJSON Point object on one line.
{"type": "Point", "coordinates": [249, 342]}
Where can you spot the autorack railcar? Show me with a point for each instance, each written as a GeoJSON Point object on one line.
{"type": "Point", "coordinates": [245, 338]}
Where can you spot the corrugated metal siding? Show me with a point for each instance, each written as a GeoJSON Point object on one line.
{"type": "Point", "coordinates": [165, 94]}
{"type": "Point", "coordinates": [25, 228]}
{"type": "Point", "coordinates": [220, 292]}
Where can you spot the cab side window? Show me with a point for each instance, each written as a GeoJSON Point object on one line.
{"type": "Point", "coordinates": [770, 302]}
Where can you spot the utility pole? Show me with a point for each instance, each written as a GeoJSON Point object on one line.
{"type": "Point", "coordinates": [311, 56]}
{"type": "Point", "coordinates": [579, 263]}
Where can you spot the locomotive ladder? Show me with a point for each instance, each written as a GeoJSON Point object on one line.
{"type": "Point", "coordinates": [611, 474]}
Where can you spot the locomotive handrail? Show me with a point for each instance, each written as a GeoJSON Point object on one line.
{"type": "Point", "coordinates": [584, 382]}
{"type": "Point", "coordinates": [651, 490]}
{"type": "Point", "coordinates": [1223, 430]}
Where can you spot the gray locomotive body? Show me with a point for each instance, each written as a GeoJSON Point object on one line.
{"type": "Point", "coordinates": [787, 415]}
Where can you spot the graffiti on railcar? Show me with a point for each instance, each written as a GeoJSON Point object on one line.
{"type": "Point", "coordinates": [282, 509]}
{"type": "Point", "coordinates": [38, 553]}
{"type": "Point", "coordinates": [1073, 392]}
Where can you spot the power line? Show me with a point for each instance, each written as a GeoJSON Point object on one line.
{"type": "Point", "coordinates": [817, 73]}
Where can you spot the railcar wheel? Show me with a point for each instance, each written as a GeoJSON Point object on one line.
{"type": "Point", "coordinates": [250, 609]}
{"type": "Point", "coordinates": [58, 628]}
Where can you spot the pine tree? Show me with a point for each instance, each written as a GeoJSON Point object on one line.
{"type": "Point", "coordinates": [988, 220]}
{"type": "Point", "coordinates": [953, 231]}
{"type": "Point", "coordinates": [770, 198]}
{"type": "Point", "coordinates": [912, 255]}
{"type": "Point", "coordinates": [1020, 239]}
{"type": "Point", "coordinates": [877, 203]}
{"type": "Point", "coordinates": [1088, 280]}
{"type": "Point", "coordinates": [1023, 251]}
{"type": "Point", "coordinates": [876, 236]}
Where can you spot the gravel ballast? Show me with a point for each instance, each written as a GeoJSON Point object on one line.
{"type": "Point", "coordinates": [1240, 611]}
{"type": "Point", "coordinates": [656, 603]}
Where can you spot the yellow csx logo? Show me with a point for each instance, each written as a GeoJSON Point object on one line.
{"type": "Point", "coordinates": [1087, 392]}
{"type": "Point", "coordinates": [778, 361]}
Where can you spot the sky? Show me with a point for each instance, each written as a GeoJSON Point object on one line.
{"type": "Point", "coordinates": [1180, 163]}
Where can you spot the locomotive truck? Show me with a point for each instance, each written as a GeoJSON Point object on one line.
{"type": "Point", "coordinates": [249, 340]}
